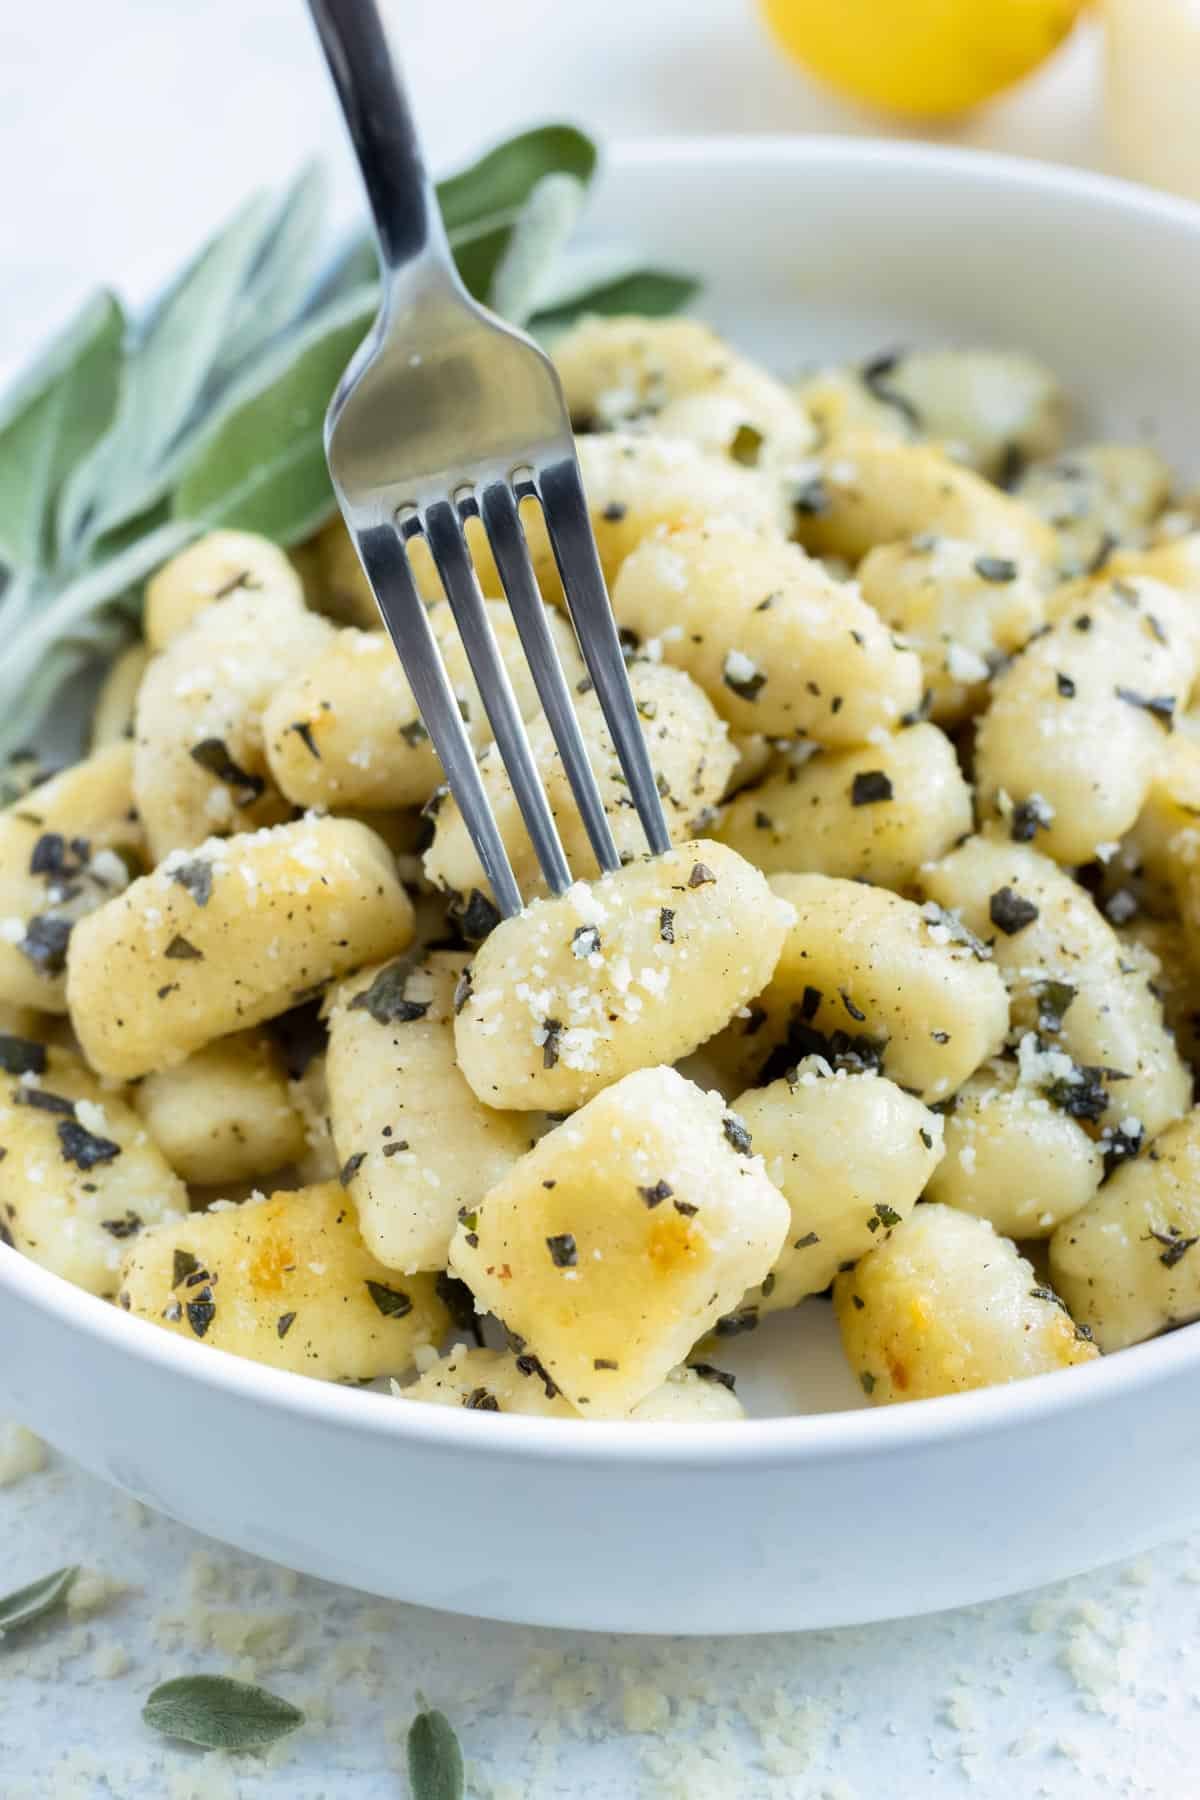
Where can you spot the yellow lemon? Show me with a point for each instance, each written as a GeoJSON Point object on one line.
{"type": "Point", "coordinates": [922, 58]}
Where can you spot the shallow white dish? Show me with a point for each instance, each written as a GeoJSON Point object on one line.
{"type": "Point", "coordinates": [809, 249]}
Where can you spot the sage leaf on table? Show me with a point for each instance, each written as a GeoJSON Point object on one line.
{"type": "Point", "coordinates": [126, 437]}
{"type": "Point", "coordinates": [435, 1761]}
{"type": "Point", "coordinates": [36, 1600]}
{"type": "Point", "coordinates": [219, 1713]}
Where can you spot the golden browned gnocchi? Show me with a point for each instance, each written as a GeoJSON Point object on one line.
{"type": "Point", "coordinates": [868, 491]}
{"type": "Point", "coordinates": [635, 969]}
{"type": "Point", "coordinates": [286, 1280]}
{"type": "Point", "coordinates": [80, 1175]}
{"type": "Point", "coordinates": [1126, 1265]}
{"type": "Point", "coordinates": [680, 376]}
{"type": "Point", "coordinates": [774, 641]}
{"type": "Point", "coordinates": [944, 1305]}
{"type": "Point", "coordinates": [1090, 1024]}
{"type": "Point", "coordinates": [502, 1381]}
{"type": "Point", "coordinates": [1013, 1157]}
{"type": "Point", "coordinates": [218, 565]}
{"type": "Point", "coordinates": [623, 1237]}
{"type": "Point", "coordinates": [1097, 498]}
{"type": "Point", "coordinates": [199, 768]}
{"type": "Point", "coordinates": [874, 814]}
{"type": "Point", "coordinates": [66, 847]}
{"type": "Point", "coordinates": [961, 609]}
{"type": "Point", "coordinates": [417, 1148]}
{"type": "Point", "coordinates": [226, 1114]}
{"type": "Point", "coordinates": [344, 731]}
{"type": "Point", "coordinates": [995, 409]}
{"type": "Point", "coordinates": [868, 975]}
{"type": "Point", "coordinates": [226, 936]}
{"type": "Point", "coordinates": [917, 687]}
{"type": "Point", "coordinates": [851, 1155]}
{"type": "Point", "coordinates": [692, 757]}
{"type": "Point", "coordinates": [1076, 724]}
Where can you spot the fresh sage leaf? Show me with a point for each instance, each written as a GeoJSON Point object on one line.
{"type": "Point", "coordinates": [480, 206]}
{"type": "Point", "coordinates": [353, 268]}
{"type": "Point", "coordinates": [262, 466]}
{"type": "Point", "coordinates": [283, 277]}
{"type": "Point", "coordinates": [435, 1761]}
{"type": "Point", "coordinates": [538, 236]}
{"type": "Point", "coordinates": [494, 189]}
{"type": "Point", "coordinates": [52, 419]}
{"type": "Point", "coordinates": [655, 293]}
{"type": "Point", "coordinates": [49, 632]}
{"type": "Point", "coordinates": [219, 1713]}
{"type": "Point", "coordinates": [36, 1600]}
{"type": "Point", "coordinates": [164, 376]}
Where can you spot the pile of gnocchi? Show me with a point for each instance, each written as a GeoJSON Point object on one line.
{"type": "Point", "coordinates": [906, 1017]}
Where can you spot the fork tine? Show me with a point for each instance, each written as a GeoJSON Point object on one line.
{"type": "Point", "coordinates": [560, 490]}
{"type": "Point", "coordinates": [386, 563]}
{"type": "Point", "coordinates": [502, 522]}
{"type": "Point", "coordinates": [444, 534]}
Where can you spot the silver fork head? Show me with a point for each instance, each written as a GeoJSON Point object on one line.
{"type": "Point", "coordinates": [474, 381]}
{"type": "Point", "coordinates": [439, 377]}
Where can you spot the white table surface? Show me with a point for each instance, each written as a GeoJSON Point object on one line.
{"type": "Point", "coordinates": [142, 122]}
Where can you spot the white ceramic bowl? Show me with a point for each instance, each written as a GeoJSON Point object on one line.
{"type": "Point", "coordinates": [809, 249]}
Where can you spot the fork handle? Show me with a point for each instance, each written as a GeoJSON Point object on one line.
{"type": "Point", "coordinates": [403, 203]}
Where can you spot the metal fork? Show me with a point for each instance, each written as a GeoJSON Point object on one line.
{"type": "Point", "coordinates": [446, 414]}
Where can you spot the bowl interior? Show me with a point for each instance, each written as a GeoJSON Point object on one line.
{"type": "Point", "coordinates": [813, 250]}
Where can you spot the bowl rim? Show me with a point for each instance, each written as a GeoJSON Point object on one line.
{"type": "Point", "coordinates": [787, 1440]}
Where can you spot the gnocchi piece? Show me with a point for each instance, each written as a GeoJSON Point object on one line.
{"type": "Point", "coordinates": [637, 483]}
{"type": "Point", "coordinates": [962, 610]}
{"type": "Point", "coordinates": [218, 565]}
{"type": "Point", "coordinates": [501, 1381]}
{"type": "Point", "coordinates": [287, 1281]}
{"type": "Point", "coordinates": [692, 756]}
{"type": "Point", "coordinates": [116, 703]}
{"type": "Point", "coordinates": [1174, 560]}
{"type": "Point", "coordinates": [851, 1154]}
{"type": "Point", "coordinates": [309, 1092]}
{"type": "Point", "coordinates": [20, 1022]}
{"type": "Point", "coordinates": [344, 730]}
{"type": "Point", "coordinates": [1156, 848]}
{"type": "Point", "coordinates": [866, 491]}
{"type": "Point", "coordinates": [1078, 721]}
{"type": "Point", "coordinates": [872, 815]}
{"type": "Point", "coordinates": [226, 1114]}
{"type": "Point", "coordinates": [945, 1305]}
{"type": "Point", "coordinates": [1127, 1265]}
{"type": "Point", "coordinates": [995, 407]}
{"type": "Point", "coordinates": [755, 754]}
{"type": "Point", "coordinates": [1172, 972]}
{"type": "Point", "coordinates": [623, 1237]}
{"type": "Point", "coordinates": [66, 847]}
{"type": "Point", "coordinates": [637, 968]}
{"type": "Point", "coordinates": [1014, 1158]}
{"type": "Point", "coordinates": [415, 1144]}
{"type": "Point", "coordinates": [680, 376]}
{"type": "Point", "coordinates": [866, 973]}
{"type": "Point", "coordinates": [1096, 498]}
{"type": "Point", "coordinates": [199, 768]}
{"type": "Point", "coordinates": [1105, 1055]}
{"type": "Point", "coordinates": [80, 1174]}
{"type": "Point", "coordinates": [219, 939]}
{"type": "Point", "coordinates": [774, 641]}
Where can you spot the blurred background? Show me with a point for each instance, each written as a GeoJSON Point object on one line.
{"type": "Point", "coordinates": [127, 129]}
